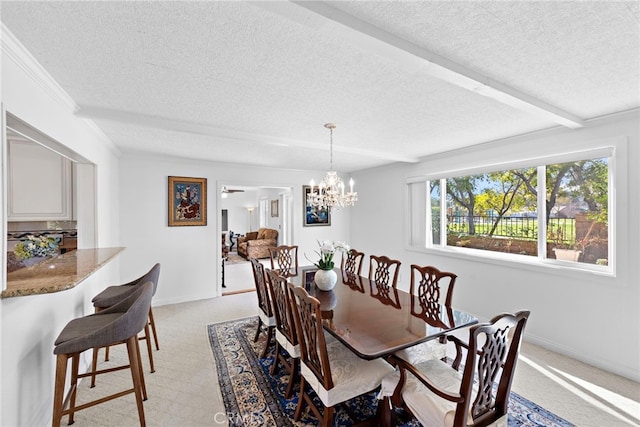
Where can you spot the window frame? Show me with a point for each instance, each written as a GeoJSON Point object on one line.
{"type": "Point", "coordinates": [418, 238]}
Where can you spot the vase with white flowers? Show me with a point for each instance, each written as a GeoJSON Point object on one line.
{"type": "Point", "coordinates": [326, 278]}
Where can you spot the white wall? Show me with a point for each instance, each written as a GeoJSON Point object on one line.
{"type": "Point", "coordinates": [591, 318]}
{"type": "Point", "coordinates": [237, 213]}
{"type": "Point", "coordinates": [29, 325]}
{"type": "Point", "coordinates": [190, 256]}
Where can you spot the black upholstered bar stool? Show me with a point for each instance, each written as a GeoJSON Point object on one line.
{"type": "Point", "coordinates": [114, 294]}
{"type": "Point", "coordinates": [120, 323]}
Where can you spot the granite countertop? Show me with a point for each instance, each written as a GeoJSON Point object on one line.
{"type": "Point", "coordinates": [58, 273]}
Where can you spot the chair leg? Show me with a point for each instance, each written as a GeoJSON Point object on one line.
{"type": "Point", "coordinates": [255, 339]}
{"type": "Point", "coordinates": [134, 363]}
{"type": "Point", "coordinates": [301, 401]}
{"type": "Point", "coordinates": [147, 338]}
{"type": "Point", "coordinates": [293, 376]}
{"type": "Point", "coordinates": [153, 328]}
{"type": "Point", "coordinates": [106, 354]}
{"type": "Point", "coordinates": [327, 417]}
{"type": "Point", "coordinates": [268, 343]}
{"type": "Point", "coordinates": [276, 358]}
{"type": "Point", "coordinates": [143, 385]}
{"type": "Point", "coordinates": [58, 392]}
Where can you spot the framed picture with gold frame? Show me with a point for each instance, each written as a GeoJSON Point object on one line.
{"type": "Point", "coordinates": [187, 201]}
{"type": "Point", "coordinates": [274, 208]}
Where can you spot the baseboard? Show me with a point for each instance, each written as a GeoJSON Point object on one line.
{"type": "Point", "coordinates": [606, 365]}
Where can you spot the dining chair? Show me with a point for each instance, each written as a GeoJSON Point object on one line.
{"type": "Point", "coordinates": [384, 270]}
{"type": "Point", "coordinates": [286, 334]}
{"type": "Point", "coordinates": [284, 259]}
{"type": "Point", "coordinates": [431, 290]}
{"type": "Point", "coordinates": [437, 394]}
{"type": "Point", "coordinates": [265, 308]}
{"type": "Point", "coordinates": [352, 262]}
{"type": "Point", "coordinates": [333, 371]}
{"type": "Point", "coordinates": [117, 324]}
{"type": "Point", "coordinates": [111, 295]}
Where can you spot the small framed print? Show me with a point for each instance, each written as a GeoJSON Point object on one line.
{"type": "Point", "coordinates": [187, 201]}
{"type": "Point", "coordinates": [274, 208]}
{"type": "Point", "coordinates": [314, 216]}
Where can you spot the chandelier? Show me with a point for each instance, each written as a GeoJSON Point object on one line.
{"type": "Point", "coordinates": [330, 193]}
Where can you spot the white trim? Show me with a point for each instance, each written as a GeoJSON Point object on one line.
{"type": "Point", "coordinates": [16, 51]}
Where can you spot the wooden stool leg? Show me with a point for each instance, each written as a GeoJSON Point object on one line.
{"type": "Point", "coordinates": [106, 354]}
{"type": "Point", "coordinates": [142, 382]}
{"type": "Point", "coordinates": [153, 328]}
{"type": "Point", "coordinates": [58, 392]}
{"type": "Point", "coordinates": [94, 366]}
{"type": "Point", "coordinates": [147, 338]}
{"type": "Point", "coordinates": [134, 363]}
{"type": "Point", "coordinates": [75, 366]}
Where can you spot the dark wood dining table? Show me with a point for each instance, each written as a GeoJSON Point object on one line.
{"type": "Point", "coordinates": [375, 322]}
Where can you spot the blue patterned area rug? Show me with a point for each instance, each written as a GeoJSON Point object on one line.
{"type": "Point", "coordinates": [252, 397]}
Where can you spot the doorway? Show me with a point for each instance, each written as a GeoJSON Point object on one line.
{"type": "Point", "coordinates": [246, 209]}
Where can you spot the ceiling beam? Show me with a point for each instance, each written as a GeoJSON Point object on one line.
{"type": "Point", "coordinates": [172, 125]}
{"type": "Point", "coordinates": [388, 45]}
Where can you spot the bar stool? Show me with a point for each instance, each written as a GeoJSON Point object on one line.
{"type": "Point", "coordinates": [112, 295]}
{"type": "Point", "coordinates": [114, 325]}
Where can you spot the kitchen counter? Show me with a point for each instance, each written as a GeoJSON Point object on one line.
{"type": "Point", "coordinates": [58, 273]}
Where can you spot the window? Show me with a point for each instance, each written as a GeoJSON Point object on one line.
{"type": "Point", "coordinates": [552, 211]}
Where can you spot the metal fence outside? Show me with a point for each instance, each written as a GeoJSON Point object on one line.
{"type": "Point", "coordinates": [517, 227]}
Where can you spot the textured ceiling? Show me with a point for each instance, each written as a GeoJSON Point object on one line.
{"type": "Point", "coordinates": [254, 82]}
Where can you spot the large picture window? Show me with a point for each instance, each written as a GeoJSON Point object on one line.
{"type": "Point", "coordinates": [556, 211]}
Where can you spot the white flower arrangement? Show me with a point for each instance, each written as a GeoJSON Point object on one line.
{"type": "Point", "coordinates": [36, 246]}
{"type": "Point", "coordinates": [326, 253]}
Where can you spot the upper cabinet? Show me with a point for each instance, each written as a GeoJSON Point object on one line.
{"type": "Point", "coordinates": [40, 183]}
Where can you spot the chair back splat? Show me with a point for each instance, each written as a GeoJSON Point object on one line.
{"type": "Point", "coordinates": [352, 262]}
{"type": "Point", "coordinates": [265, 312]}
{"type": "Point", "coordinates": [432, 288]}
{"type": "Point", "coordinates": [384, 270]}
{"type": "Point", "coordinates": [284, 260]}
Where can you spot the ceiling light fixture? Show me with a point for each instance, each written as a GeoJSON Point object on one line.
{"type": "Point", "coordinates": [330, 193]}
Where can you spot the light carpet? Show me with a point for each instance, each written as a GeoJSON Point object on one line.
{"type": "Point", "coordinates": [252, 397]}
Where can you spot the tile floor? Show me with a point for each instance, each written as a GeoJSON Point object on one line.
{"type": "Point", "coordinates": [184, 389]}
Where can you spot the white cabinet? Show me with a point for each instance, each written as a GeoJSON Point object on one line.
{"type": "Point", "coordinates": [39, 184]}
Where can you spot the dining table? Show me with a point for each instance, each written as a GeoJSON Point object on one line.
{"type": "Point", "coordinates": [375, 321]}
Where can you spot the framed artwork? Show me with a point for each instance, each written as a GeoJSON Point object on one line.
{"type": "Point", "coordinates": [187, 201]}
{"type": "Point", "coordinates": [308, 274]}
{"type": "Point", "coordinates": [314, 216]}
{"type": "Point", "coordinates": [274, 208]}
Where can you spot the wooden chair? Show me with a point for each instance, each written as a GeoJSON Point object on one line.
{"type": "Point", "coordinates": [437, 394]}
{"type": "Point", "coordinates": [351, 376]}
{"type": "Point", "coordinates": [352, 262]}
{"type": "Point", "coordinates": [286, 334]}
{"type": "Point", "coordinates": [384, 270]}
{"type": "Point", "coordinates": [117, 324]}
{"type": "Point", "coordinates": [432, 290]}
{"type": "Point", "coordinates": [354, 281]}
{"type": "Point", "coordinates": [265, 312]}
{"type": "Point", "coordinates": [112, 295]}
{"type": "Point", "coordinates": [284, 259]}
